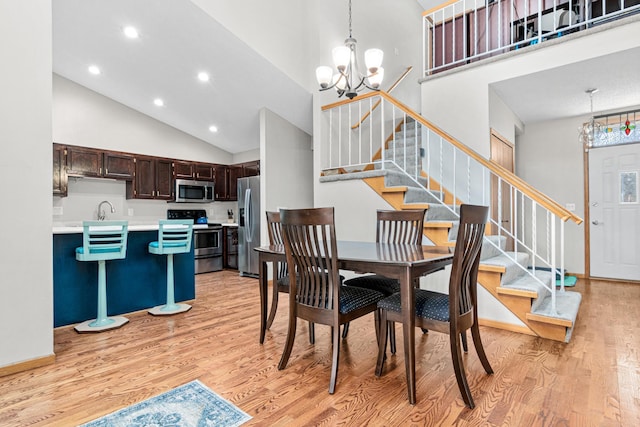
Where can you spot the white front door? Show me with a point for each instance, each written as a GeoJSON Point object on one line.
{"type": "Point", "coordinates": [614, 211]}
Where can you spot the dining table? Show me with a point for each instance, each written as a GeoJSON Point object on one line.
{"type": "Point", "coordinates": [404, 262]}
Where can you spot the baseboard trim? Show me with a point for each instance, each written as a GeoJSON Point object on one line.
{"type": "Point", "coordinates": [506, 326]}
{"type": "Point", "coordinates": [27, 365]}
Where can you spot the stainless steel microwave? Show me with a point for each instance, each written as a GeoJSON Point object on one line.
{"type": "Point", "coordinates": [188, 191]}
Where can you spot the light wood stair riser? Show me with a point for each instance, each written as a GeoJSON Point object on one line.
{"type": "Point", "coordinates": [438, 232]}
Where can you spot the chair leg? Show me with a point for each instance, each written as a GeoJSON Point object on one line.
{"type": "Point", "coordinates": [391, 328]}
{"type": "Point", "coordinates": [336, 359]}
{"type": "Point", "coordinates": [463, 338]}
{"type": "Point", "coordinates": [458, 367]}
{"type": "Point", "coordinates": [477, 343]}
{"type": "Point", "coordinates": [345, 330]}
{"type": "Point", "coordinates": [274, 305]}
{"type": "Point", "coordinates": [170, 307]}
{"type": "Point", "coordinates": [288, 346]}
{"type": "Point", "coordinates": [382, 345]}
{"type": "Point", "coordinates": [312, 333]}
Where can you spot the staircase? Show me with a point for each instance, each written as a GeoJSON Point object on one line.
{"type": "Point", "coordinates": [397, 173]}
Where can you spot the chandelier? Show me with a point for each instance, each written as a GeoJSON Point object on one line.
{"type": "Point", "coordinates": [349, 79]}
{"type": "Point", "coordinates": [588, 131]}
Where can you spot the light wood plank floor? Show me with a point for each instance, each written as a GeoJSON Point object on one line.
{"type": "Point", "coordinates": [593, 381]}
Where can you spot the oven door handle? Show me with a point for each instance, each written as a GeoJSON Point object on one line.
{"type": "Point", "coordinates": [247, 214]}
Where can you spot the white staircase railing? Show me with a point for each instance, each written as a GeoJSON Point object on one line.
{"type": "Point", "coordinates": [462, 31]}
{"type": "Point", "coordinates": [393, 137]}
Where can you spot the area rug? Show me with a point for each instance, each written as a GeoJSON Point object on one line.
{"type": "Point", "coordinates": [192, 404]}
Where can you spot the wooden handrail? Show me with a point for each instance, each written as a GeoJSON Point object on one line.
{"type": "Point", "coordinates": [392, 87]}
{"type": "Point", "coordinates": [440, 6]}
{"type": "Point", "coordinates": [507, 176]}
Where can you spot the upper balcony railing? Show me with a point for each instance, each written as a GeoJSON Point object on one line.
{"type": "Point", "coordinates": [459, 32]}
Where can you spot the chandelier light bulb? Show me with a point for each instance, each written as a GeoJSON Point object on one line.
{"type": "Point", "coordinates": [375, 79]}
{"type": "Point", "coordinates": [324, 74]}
{"type": "Point", "coordinates": [373, 59]}
{"type": "Point", "coordinates": [341, 57]}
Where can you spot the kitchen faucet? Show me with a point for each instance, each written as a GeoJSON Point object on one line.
{"type": "Point", "coordinates": [101, 214]}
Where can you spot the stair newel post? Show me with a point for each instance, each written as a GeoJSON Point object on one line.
{"type": "Point", "coordinates": [561, 255]}
{"type": "Point", "coordinates": [382, 139]}
{"type": "Point", "coordinates": [553, 267]}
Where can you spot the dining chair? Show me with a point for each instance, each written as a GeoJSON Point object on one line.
{"type": "Point", "coordinates": [453, 313]}
{"type": "Point", "coordinates": [316, 293]}
{"type": "Point", "coordinates": [400, 227]}
{"type": "Point", "coordinates": [280, 270]}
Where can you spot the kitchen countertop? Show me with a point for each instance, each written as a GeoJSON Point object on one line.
{"type": "Point", "coordinates": [76, 227]}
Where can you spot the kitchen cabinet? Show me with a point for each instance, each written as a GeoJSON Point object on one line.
{"type": "Point", "coordinates": [251, 168]}
{"type": "Point", "coordinates": [221, 182]}
{"type": "Point", "coordinates": [235, 172]}
{"type": "Point", "coordinates": [83, 161]}
{"type": "Point", "coordinates": [60, 180]}
{"type": "Point", "coordinates": [204, 172]}
{"type": "Point", "coordinates": [153, 179]}
{"type": "Point", "coordinates": [91, 162]}
{"type": "Point", "coordinates": [118, 165]}
{"type": "Point", "coordinates": [183, 169]}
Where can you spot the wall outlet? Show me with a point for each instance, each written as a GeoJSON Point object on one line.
{"type": "Point", "coordinates": [130, 211]}
{"type": "Point", "coordinates": [570, 206]}
{"type": "Point", "coordinates": [57, 210]}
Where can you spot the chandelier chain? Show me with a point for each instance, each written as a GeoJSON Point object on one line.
{"type": "Point", "coordinates": [349, 18]}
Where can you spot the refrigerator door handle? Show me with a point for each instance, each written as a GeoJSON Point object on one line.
{"type": "Point", "coordinates": [247, 214]}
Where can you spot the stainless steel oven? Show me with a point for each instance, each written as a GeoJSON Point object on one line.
{"type": "Point", "coordinates": [207, 248]}
{"type": "Point", "coordinates": [207, 241]}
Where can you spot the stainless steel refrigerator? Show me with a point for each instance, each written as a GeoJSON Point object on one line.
{"type": "Point", "coordinates": [248, 225]}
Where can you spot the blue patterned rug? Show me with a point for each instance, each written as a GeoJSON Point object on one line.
{"type": "Point", "coordinates": [192, 404]}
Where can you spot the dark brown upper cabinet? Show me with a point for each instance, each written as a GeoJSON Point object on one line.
{"type": "Point", "coordinates": [153, 179]}
{"type": "Point", "coordinates": [60, 181]}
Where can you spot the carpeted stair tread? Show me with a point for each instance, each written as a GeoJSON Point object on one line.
{"type": "Point", "coordinates": [527, 283]}
{"type": "Point", "coordinates": [567, 306]}
{"type": "Point", "coordinates": [509, 260]}
{"type": "Point", "coordinates": [443, 213]}
{"type": "Point", "coordinates": [489, 249]}
{"type": "Point", "coordinates": [420, 195]}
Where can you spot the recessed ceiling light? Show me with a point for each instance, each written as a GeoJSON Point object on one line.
{"type": "Point", "coordinates": [93, 69]}
{"type": "Point", "coordinates": [213, 129]}
{"type": "Point", "coordinates": [203, 77]}
{"type": "Point", "coordinates": [159, 102]}
{"type": "Point", "coordinates": [130, 32]}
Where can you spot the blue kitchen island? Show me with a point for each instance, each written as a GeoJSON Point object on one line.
{"type": "Point", "coordinates": [135, 283]}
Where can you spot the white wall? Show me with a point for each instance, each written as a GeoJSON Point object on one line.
{"type": "Point", "coordinates": [298, 36]}
{"type": "Point", "coordinates": [550, 158]}
{"type": "Point", "coordinates": [286, 166]}
{"type": "Point", "coordinates": [86, 118]}
{"type": "Point", "coordinates": [26, 288]}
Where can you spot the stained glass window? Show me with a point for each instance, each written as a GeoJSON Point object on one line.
{"type": "Point", "coordinates": [619, 128]}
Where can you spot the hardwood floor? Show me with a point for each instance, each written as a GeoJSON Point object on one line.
{"type": "Point", "coordinates": [592, 381]}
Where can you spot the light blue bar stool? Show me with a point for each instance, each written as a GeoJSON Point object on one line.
{"type": "Point", "coordinates": [102, 241]}
{"type": "Point", "coordinates": [174, 237]}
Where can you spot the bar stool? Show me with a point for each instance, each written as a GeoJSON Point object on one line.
{"type": "Point", "coordinates": [102, 241]}
{"type": "Point", "coordinates": [174, 237]}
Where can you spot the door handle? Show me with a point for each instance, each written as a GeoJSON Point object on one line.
{"type": "Point", "coordinates": [595, 222]}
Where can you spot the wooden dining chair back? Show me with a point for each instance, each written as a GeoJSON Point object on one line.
{"type": "Point", "coordinates": [316, 293]}
{"type": "Point", "coordinates": [402, 227]}
{"type": "Point", "coordinates": [280, 271]}
{"type": "Point", "coordinates": [456, 312]}
{"type": "Point", "coordinates": [399, 227]}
